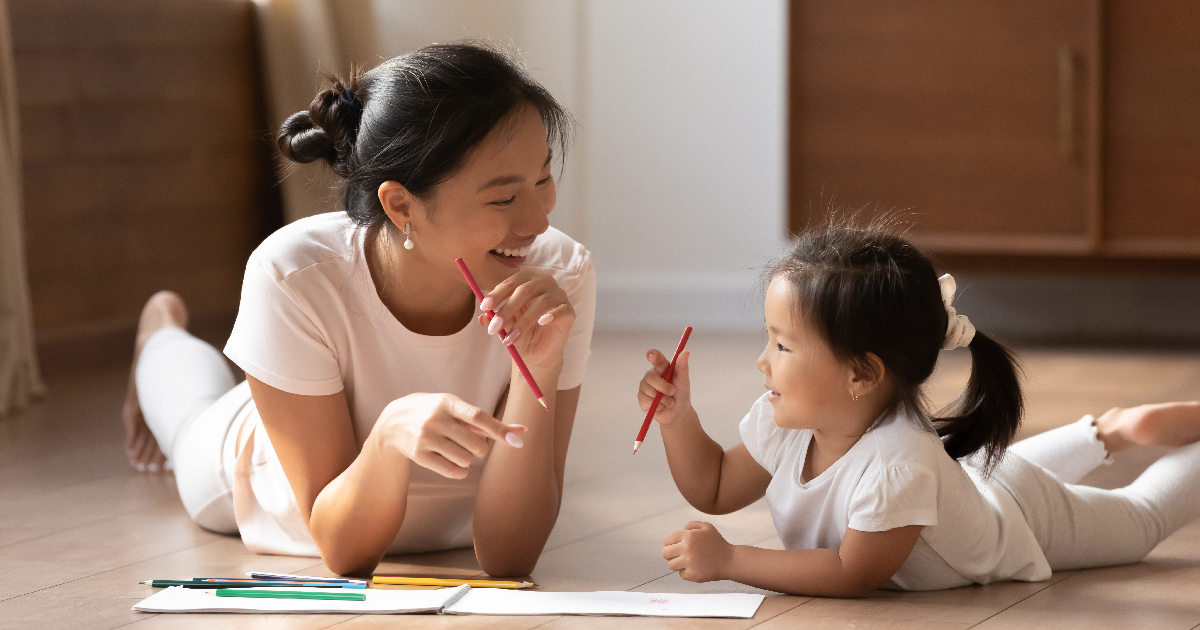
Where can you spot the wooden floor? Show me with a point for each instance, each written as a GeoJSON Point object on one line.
{"type": "Point", "coordinates": [79, 529]}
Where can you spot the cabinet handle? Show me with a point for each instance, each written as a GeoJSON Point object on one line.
{"type": "Point", "coordinates": [1066, 102]}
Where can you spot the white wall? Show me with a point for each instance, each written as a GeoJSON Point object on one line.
{"type": "Point", "coordinates": [676, 181]}
{"type": "Point", "coordinates": [685, 145]}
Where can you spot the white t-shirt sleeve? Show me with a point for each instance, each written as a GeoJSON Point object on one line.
{"type": "Point", "coordinates": [276, 341]}
{"type": "Point", "coordinates": [762, 437]}
{"type": "Point", "coordinates": [582, 296]}
{"type": "Point", "coordinates": [895, 496]}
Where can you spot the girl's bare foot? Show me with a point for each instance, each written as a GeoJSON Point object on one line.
{"type": "Point", "coordinates": [163, 309]}
{"type": "Point", "coordinates": [1162, 424]}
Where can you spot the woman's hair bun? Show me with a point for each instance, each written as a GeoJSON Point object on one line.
{"type": "Point", "coordinates": [328, 129]}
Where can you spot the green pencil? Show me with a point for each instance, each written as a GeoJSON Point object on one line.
{"type": "Point", "coordinates": [249, 592]}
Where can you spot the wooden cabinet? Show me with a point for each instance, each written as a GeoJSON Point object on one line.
{"type": "Point", "coordinates": [1052, 128]}
{"type": "Point", "coordinates": [145, 164]}
{"type": "Point", "coordinates": [1151, 135]}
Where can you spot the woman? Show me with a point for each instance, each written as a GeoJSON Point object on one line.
{"type": "Point", "coordinates": [370, 419]}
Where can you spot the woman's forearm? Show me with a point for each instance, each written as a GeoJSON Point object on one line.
{"type": "Point", "coordinates": [356, 516]}
{"type": "Point", "coordinates": [521, 489]}
{"type": "Point", "coordinates": [695, 461]}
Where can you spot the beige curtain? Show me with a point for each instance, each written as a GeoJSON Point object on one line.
{"type": "Point", "coordinates": [302, 40]}
{"type": "Point", "coordinates": [19, 381]}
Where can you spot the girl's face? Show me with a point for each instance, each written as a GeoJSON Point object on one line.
{"type": "Point", "coordinates": [492, 209]}
{"type": "Point", "coordinates": [810, 388]}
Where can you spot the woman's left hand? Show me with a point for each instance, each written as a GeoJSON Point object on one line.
{"type": "Point", "coordinates": [699, 553]}
{"type": "Point", "coordinates": [537, 316]}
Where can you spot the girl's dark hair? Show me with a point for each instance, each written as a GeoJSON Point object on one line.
{"type": "Point", "coordinates": [864, 288]}
{"type": "Point", "coordinates": [414, 119]}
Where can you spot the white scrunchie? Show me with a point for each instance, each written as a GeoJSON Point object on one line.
{"type": "Point", "coordinates": [959, 331]}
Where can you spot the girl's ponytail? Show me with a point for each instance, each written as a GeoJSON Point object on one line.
{"type": "Point", "coordinates": [986, 415]}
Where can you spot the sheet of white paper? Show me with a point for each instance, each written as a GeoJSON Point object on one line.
{"type": "Point", "coordinates": [379, 601]}
{"type": "Point", "coordinates": [491, 601]}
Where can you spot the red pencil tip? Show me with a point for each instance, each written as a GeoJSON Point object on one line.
{"type": "Point", "coordinates": [636, 446]}
{"type": "Point", "coordinates": [543, 401]}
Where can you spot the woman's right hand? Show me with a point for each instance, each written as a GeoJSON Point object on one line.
{"type": "Point", "coordinates": [442, 432]}
{"type": "Point", "coordinates": [677, 395]}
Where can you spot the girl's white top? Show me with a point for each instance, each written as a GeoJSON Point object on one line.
{"type": "Point", "coordinates": [311, 323]}
{"type": "Point", "coordinates": [897, 474]}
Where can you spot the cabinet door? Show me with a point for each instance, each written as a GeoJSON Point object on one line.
{"type": "Point", "coordinates": [979, 118]}
{"type": "Point", "coordinates": [1152, 128]}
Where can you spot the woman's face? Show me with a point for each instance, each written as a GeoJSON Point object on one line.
{"type": "Point", "coordinates": [808, 385]}
{"type": "Point", "coordinates": [492, 209]}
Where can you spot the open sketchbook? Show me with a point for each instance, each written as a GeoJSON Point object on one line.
{"type": "Point", "coordinates": [464, 600]}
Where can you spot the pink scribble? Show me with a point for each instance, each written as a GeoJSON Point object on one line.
{"type": "Point", "coordinates": [655, 600]}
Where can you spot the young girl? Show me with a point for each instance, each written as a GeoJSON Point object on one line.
{"type": "Point", "coordinates": [865, 486]}
{"type": "Point", "coordinates": [376, 417]}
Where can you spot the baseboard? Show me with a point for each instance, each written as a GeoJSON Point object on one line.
{"type": "Point", "coordinates": [1132, 310]}
{"type": "Point", "coordinates": [1020, 308]}
{"type": "Point", "coordinates": [107, 344]}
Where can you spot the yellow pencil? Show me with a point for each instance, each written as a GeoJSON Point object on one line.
{"type": "Point", "coordinates": [419, 581]}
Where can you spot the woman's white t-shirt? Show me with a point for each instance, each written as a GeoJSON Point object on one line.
{"type": "Point", "coordinates": [311, 323]}
{"type": "Point", "coordinates": [897, 474]}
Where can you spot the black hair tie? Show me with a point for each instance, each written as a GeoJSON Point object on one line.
{"type": "Point", "coordinates": [348, 99]}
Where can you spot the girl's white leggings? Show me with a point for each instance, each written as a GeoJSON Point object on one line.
{"type": "Point", "coordinates": [1081, 526]}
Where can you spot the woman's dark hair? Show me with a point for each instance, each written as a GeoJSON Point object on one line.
{"type": "Point", "coordinates": [864, 288]}
{"type": "Point", "coordinates": [413, 119]}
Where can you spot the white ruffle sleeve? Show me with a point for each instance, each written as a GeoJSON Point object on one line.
{"type": "Point", "coordinates": [893, 497]}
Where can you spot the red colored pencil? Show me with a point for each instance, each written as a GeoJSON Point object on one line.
{"type": "Point", "coordinates": [667, 375]}
{"type": "Point", "coordinates": [512, 350]}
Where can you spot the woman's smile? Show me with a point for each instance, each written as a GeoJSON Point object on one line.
{"type": "Point", "coordinates": [511, 256]}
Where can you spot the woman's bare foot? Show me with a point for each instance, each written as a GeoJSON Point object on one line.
{"type": "Point", "coordinates": [163, 309]}
{"type": "Point", "coordinates": [1162, 424]}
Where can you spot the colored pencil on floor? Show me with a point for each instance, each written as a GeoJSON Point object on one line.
{"type": "Point", "coordinates": [237, 592]}
{"type": "Point", "coordinates": [422, 581]}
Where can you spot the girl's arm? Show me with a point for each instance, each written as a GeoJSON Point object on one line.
{"type": "Point", "coordinates": [713, 480]}
{"type": "Point", "coordinates": [865, 561]}
{"type": "Point", "coordinates": [353, 501]}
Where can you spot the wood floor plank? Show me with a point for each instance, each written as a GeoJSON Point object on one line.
{"type": "Point", "coordinates": [966, 605]}
{"type": "Point", "coordinates": [436, 622]}
{"type": "Point", "coordinates": [77, 504]}
{"type": "Point", "coordinates": [771, 607]}
{"type": "Point", "coordinates": [94, 548]}
{"type": "Point", "coordinates": [1150, 595]}
{"type": "Point", "coordinates": [78, 529]}
{"type": "Point", "coordinates": [598, 566]}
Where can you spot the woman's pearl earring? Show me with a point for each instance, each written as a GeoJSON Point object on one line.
{"type": "Point", "coordinates": [408, 244]}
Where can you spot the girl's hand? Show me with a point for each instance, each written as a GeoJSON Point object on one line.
{"type": "Point", "coordinates": [536, 314]}
{"type": "Point", "coordinates": [677, 395]}
{"type": "Point", "coordinates": [442, 432]}
{"type": "Point", "coordinates": [699, 553]}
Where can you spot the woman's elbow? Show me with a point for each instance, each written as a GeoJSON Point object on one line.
{"type": "Point", "coordinates": [343, 563]}
{"type": "Point", "coordinates": [506, 565]}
